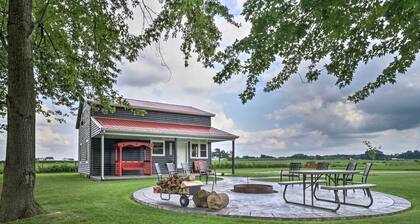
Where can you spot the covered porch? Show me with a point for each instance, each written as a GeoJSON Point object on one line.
{"type": "Point", "coordinates": [171, 143]}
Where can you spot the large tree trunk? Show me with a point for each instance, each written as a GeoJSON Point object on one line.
{"type": "Point", "coordinates": [17, 198]}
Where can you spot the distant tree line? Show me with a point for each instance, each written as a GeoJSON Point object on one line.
{"type": "Point", "coordinates": [409, 155]}
{"type": "Point", "coordinates": [369, 154]}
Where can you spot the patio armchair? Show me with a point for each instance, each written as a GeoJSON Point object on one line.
{"type": "Point", "coordinates": [287, 173]}
{"type": "Point", "coordinates": [204, 170]}
{"type": "Point", "coordinates": [365, 175]}
{"type": "Point", "coordinates": [158, 172]}
{"type": "Point", "coordinates": [324, 166]}
{"type": "Point", "coordinates": [186, 168]}
{"type": "Point", "coordinates": [171, 169]}
{"type": "Point", "coordinates": [349, 177]}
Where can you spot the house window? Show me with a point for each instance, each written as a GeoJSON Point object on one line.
{"type": "Point", "coordinates": [194, 150]}
{"type": "Point", "coordinates": [203, 150]}
{"type": "Point", "coordinates": [158, 148]}
{"type": "Point", "coordinates": [198, 151]}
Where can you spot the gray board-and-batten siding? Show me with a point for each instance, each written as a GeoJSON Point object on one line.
{"type": "Point", "coordinates": [157, 116]}
{"type": "Point", "coordinates": [84, 140]}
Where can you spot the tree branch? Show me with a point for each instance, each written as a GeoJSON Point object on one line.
{"type": "Point", "coordinates": [39, 21]}
{"type": "Point", "coordinates": [52, 43]}
{"type": "Point", "coordinates": [3, 40]}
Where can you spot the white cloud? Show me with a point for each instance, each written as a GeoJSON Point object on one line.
{"type": "Point", "coordinates": [278, 141]}
{"type": "Point", "coordinates": [56, 139]}
{"type": "Point", "coordinates": [299, 109]}
{"type": "Point", "coordinates": [350, 113]}
{"type": "Point", "coordinates": [51, 139]}
{"type": "Point", "coordinates": [230, 33]}
{"type": "Point", "coordinates": [47, 136]}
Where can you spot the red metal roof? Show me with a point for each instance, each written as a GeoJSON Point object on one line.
{"type": "Point", "coordinates": [165, 129]}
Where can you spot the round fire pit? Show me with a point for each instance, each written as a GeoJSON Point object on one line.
{"type": "Point", "coordinates": [253, 188]}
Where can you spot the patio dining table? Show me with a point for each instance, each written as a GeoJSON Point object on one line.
{"type": "Point", "coordinates": [314, 176]}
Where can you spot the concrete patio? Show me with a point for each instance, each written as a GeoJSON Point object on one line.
{"type": "Point", "coordinates": [272, 206]}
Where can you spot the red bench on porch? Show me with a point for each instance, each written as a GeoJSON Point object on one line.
{"type": "Point", "coordinates": [132, 165]}
{"type": "Point", "coordinates": [126, 165]}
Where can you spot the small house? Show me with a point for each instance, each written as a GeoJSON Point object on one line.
{"type": "Point", "coordinates": [125, 145]}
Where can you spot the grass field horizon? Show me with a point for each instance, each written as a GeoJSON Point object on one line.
{"type": "Point", "coordinates": [272, 167]}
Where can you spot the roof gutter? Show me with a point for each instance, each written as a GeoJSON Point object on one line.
{"type": "Point", "coordinates": [143, 134]}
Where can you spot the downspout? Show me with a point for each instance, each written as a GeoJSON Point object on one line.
{"type": "Point", "coordinates": [102, 154]}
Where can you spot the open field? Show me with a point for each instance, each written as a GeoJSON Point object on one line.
{"type": "Point", "coordinates": [70, 198]}
{"type": "Point", "coordinates": [246, 165]}
{"type": "Point", "coordinates": [272, 167]}
{"type": "Point", "coordinates": [339, 164]}
{"type": "Point", "coordinates": [51, 166]}
{"type": "Point", "coordinates": [271, 172]}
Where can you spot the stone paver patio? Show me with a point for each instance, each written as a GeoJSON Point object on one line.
{"type": "Point", "coordinates": [272, 206]}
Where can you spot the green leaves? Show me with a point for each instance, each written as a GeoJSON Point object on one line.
{"type": "Point", "coordinates": [194, 20]}
{"type": "Point", "coordinates": [343, 33]}
{"type": "Point", "coordinates": [78, 45]}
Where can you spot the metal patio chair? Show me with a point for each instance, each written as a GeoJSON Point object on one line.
{"type": "Point", "coordinates": [324, 166]}
{"type": "Point", "coordinates": [204, 170]}
{"type": "Point", "coordinates": [158, 172]}
{"type": "Point", "coordinates": [287, 173]}
{"type": "Point", "coordinates": [348, 178]}
{"type": "Point", "coordinates": [365, 175]}
{"type": "Point", "coordinates": [186, 168]}
{"type": "Point", "coordinates": [171, 169]}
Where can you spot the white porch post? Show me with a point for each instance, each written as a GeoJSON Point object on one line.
{"type": "Point", "coordinates": [233, 157]}
{"type": "Point", "coordinates": [102, 154]}
{"type": "Point", "coordinates": [175, 153]}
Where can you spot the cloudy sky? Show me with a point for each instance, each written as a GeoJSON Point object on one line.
{"type": "Point", "coordinates": [299, 118]}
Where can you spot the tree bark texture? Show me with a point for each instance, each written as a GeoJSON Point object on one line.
{"type": "Point", "coordinates": [17, 198]}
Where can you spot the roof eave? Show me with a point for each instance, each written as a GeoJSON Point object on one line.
{"type": "Point", "coordinates": [171, 135]}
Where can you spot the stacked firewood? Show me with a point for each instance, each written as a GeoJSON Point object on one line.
{"type": "Point", "coordinates": [173, 184]}
{"type": "Point", "coordinates": [212, 200]}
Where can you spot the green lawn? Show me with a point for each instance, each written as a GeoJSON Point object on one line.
{"type": "Point", "coordinates": [69, 198]}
